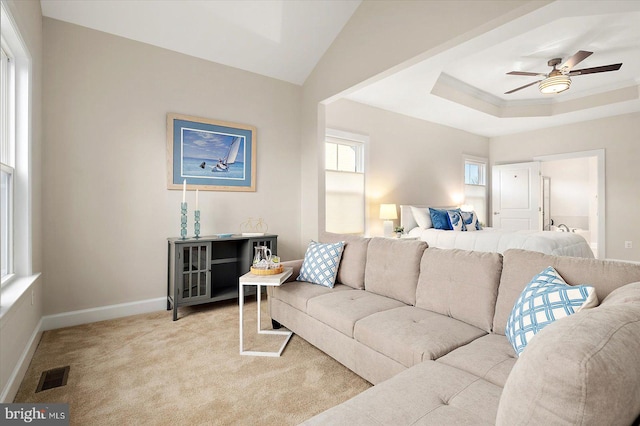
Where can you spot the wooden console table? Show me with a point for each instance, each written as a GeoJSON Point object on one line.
{"type": "Point", "coordinates": [207, 269]}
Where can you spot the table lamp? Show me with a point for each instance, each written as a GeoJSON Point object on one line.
{"type": "Point", "coordinates": [388, 213]}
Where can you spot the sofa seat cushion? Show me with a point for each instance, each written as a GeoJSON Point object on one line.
{"type": "Point", "coordinates": [393, 267]}
{"type": "Point", "coordinates": [411, 335]}
{"type": "Point", "coordinates": [491, 357]}
{"type": "Point", "coordinates": [461, 284]}
{"type": "Point", "coordinates": [583, 369]}
{"type": "Point", "coordinates": [298, 293]}
{"type": "Point", "coordinates": [428, 394]}
{"type": "Point", "coordinates": [341, 310]}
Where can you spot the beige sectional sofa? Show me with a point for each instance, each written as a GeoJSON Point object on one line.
{"type": "Point", "coordinates": [426, 326]}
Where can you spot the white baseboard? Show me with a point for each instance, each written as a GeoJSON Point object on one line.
{"type": "Point", "coordinates": [85, 316]}
{"type": "Point", "coordinates": [13, 384]}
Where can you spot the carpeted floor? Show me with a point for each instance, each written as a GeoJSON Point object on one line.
{"type": "Point", "coordinates": [147, 369]}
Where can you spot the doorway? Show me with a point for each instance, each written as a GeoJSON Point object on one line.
{"type": "Point", "coordinates": [575, 195]}
{"type": "Point", "coordinates": [553, 190]}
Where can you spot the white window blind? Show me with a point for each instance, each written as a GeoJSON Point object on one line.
{"type": "Point", "coordinates": [475, 186]}
{"type": "Point", "coordinates": [344, 183]}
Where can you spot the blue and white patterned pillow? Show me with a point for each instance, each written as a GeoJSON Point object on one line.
{"type": "Point", "coordinates": [470, 220]}
{"type": "Point", "coordinates": [440, 218]}
{"type": "Point", "coordinates": [455, 219]}
{"type": "Point", "coordinates": [321, 262]}
{"type": "Point", "coordinates": [545, 299]}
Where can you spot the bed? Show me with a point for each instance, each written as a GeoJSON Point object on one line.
{"type": "Point", "coordinates": [496, 240]}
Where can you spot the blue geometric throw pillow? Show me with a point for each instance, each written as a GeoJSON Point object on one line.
{"type": "Point", "coordinates": [545, 299]}
{"type": "Point", "coordinates": [321, 262]}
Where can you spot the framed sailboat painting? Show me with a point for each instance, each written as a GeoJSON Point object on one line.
{"type": "Point", "coordinates": [210, 154]}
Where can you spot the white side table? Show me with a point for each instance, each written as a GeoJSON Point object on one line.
{"type": "Point", "coordinates": [262, 280]}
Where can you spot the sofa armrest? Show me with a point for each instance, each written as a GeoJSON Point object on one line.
{"type": "Point", "coordinates": [296, 265]}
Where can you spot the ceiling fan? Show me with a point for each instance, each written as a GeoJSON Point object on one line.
{"type": "Point", "coordinates": [557, 80]}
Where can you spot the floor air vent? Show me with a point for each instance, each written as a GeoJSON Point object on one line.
{"type": "Point", "coordinates": [53, 378]}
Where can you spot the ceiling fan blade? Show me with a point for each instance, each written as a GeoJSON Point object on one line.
{"type": "Point", "coordinates": [533, 74]}
{"type": "Point", "coordinates": [578, 57]}
{"type": "Point", "coordinates": [604, 68]}
{"type": "Point", "coordinates": [522, 87]}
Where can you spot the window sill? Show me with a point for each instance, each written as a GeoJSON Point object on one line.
{"type": "Point", "coordinates": [13, 290]}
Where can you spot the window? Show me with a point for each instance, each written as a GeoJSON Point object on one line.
{"type": "Point", "coordinates": [474, 173]}
{"type": "Point", "coordinates": [343, 156]}
{"type": "Point", "coordinates": [475, 186]}
{"type": "Point", "coordinates": [344, 182]}
{"type": "Point", "coordinates": [6, 160]}
{"type": "Point", "coordinates": [15, 110]}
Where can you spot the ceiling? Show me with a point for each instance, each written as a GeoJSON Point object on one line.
{"type": "Point", "coordinates": [282, 39]}
{"type": "Point", "coordinates": [462, 87]}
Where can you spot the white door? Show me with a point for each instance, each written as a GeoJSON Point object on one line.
{"type": "Point", "coordinates": [515, 195]}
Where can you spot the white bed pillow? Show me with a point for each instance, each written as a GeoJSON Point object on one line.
{"type": "Point", "coordinates": [422, 217]}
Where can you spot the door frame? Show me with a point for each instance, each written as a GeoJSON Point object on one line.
{"type": "Point", "coordinates": [600, 156]}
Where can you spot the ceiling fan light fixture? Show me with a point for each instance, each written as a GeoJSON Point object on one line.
{"type": "Point", "coordinates": [554, 84]}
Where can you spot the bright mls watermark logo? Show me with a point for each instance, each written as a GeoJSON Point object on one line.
{"type": "Point", "coordinates": [38, 414]}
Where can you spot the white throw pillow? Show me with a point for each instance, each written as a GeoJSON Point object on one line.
{"type": "Point", "coordinates": [321, 262]}
{"type": "Point", "coordinates": [422, 217]}
{"type": "Point", "coordinates": [546, 299]}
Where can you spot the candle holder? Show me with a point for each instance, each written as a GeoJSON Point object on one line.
{"type": "Point", "coordinates": [196, 225]}
{"type": "Point", "coordinates": [183, 220]}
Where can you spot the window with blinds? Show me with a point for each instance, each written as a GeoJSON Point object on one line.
{"type": "Point", "coordinates": [475, 186]}
{"type": "Point", "coordinates": [344, 183]}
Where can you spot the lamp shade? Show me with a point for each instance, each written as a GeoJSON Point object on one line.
{"type": "Point", "coordinates": [554, 84]}
{"type": "Point", "coordinates": [388, 212]}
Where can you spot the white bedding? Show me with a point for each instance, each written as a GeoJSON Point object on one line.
{"type": "Point", "coordinates": [498, 240]}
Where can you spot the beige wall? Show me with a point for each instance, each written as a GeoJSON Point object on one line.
{"type": "Point", "coordinates": [409, 161]}
{"type": "Point", "coordinates": [618, 136]}
{"type": "Point", "coordinates": [382, 37]}
{"type": "Point", "coordinates": [107, 211]}
{"type": "Point", "coordinates": [19, 325]}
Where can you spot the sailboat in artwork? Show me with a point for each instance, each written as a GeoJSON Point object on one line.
{"type": "Point", "coordinates": [229, 158]}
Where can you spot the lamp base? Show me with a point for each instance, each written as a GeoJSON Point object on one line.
{"type": "Point", "coordinates": [388, 228]}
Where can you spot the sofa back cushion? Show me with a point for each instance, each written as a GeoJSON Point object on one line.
{"type": "Point", "coordinates": [354, 256]}
{"type": "Point", "coordinates": [393, 267]}
{"type": "Point", "coordinates": [520, 266]}
{"type": "Point", "coordinates": [461, 284]}
{"type": "Point", "coordinates": [582, 369]}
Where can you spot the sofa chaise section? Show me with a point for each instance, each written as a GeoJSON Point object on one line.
{"type": "Point", "coordinates": [426, 394]}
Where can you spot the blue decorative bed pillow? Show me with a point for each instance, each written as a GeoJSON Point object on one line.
{"type": "Point", "coordinates": [455, 219]}
{"type": "Point", "coordinates": [547, 298]}
{"type": "Point", "coordinates": [321, 262]}
{"type": "Point", "coordinates": [470, 220]}
{"type": "Point", "coordinates": [440, 218]}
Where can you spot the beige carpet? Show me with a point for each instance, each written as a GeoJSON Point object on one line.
{"type": "Point", "coordinates": [147, 369]}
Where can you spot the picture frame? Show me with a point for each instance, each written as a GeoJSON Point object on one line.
{"type": "Point", "coordinates": [212, 155]}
